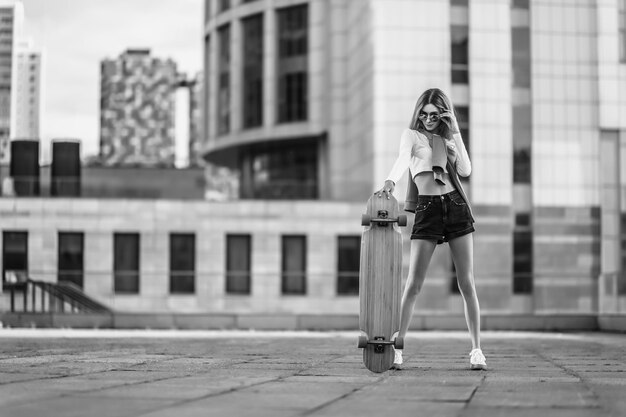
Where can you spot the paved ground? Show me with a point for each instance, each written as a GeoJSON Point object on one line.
{"type": "Point", "coordinates": [160, 373]}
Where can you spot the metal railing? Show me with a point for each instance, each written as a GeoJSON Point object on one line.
{"type": "Point", "coordinates": [51, 297]}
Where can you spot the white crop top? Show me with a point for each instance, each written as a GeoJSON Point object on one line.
{"type": "Point", "coordinates": [416, 154]}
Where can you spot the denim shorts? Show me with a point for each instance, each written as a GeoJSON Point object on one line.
{"type": "Point", "coordinates": [442, 217]}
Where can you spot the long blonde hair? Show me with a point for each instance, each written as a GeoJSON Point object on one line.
{"type": "Point", "coordinates": [439, 99]}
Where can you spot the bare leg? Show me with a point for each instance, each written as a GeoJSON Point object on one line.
{"type": "Point", "coordinates": [421, 253]}
{"type": "Point", "coordinates": [463, 256]}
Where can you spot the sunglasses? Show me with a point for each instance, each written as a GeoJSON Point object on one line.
{"type": "Point", "coordinates": [432, 116]}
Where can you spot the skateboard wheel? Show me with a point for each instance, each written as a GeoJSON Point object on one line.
{"type": "Point", "coordinates": [362, 342]}
{"type": "Point", "coordinates": [399, 343]}
{"type": "Point", "coordinates": [402, 220]}
{"type": "Point", "coordinates": [366, 220]}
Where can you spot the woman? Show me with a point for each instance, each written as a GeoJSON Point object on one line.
{"type": "Point", "coordinates": [433, 151]}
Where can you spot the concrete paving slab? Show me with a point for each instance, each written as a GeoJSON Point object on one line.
{"type": "Point", "coordinates": [365, 405]}
{"type": "Point", "coordinates": [537, 411]}
{"type": "Point", "coordinates": [72, 406]}
{"type": "Point", "coordinates": [543, 394]}
{"type": "Point", "coordinates": [240, 373]}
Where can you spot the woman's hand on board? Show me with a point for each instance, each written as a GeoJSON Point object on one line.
{"type": "Point", "coordinates": [387, 189]}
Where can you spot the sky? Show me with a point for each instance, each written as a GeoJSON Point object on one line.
{"type": "Point", "coordinates": [76, 35]}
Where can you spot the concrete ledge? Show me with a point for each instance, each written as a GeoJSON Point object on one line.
{"type": "Point", "coordinates": [83, 321]}
{"type": "Point", "coordinates": [443, 322]}
{"type": "Point", "coordinates": [320, 322]}
{"type": "Point", "coordinates": [328, 321]}
{"type": "Point", "coordinates": [540, 322]}
{"type": "Point", "coordinates": [612, 323]}
{"type": "Point", "coordinates": [58, 320]}
{"type": "Point", "coordinates": [26, 320]}
{"type": "Point", "coordinates": [205, 321]}
{"type": "Point", "coordinates": [143, 321]}
{"type": "Point", "coordinates": [267, 322]}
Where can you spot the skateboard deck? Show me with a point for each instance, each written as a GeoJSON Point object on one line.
{"type": "Point", "coordinates": [380, 282]}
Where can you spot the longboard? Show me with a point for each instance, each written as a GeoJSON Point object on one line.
{"type": "Point", "coordinates": [380, 282]}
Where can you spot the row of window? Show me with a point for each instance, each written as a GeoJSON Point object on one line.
{"type": "Point", "coordinates": [182, 262]}
{"type": "Point", "coordinates": [238, 271]}
{"type": "Point", "coordinates": [291, 65]}
{"type": "Point", "coordinates": [520, 46]}
{"type": "Point", "coordinates": [522, 149]}
{"type": "Point", "coordinates": [459, 65]}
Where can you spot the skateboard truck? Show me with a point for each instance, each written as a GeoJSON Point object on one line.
{"type": "Point", "coordinates": [382, 219]}
{"type": "Point", "coordinates": [380, 343]}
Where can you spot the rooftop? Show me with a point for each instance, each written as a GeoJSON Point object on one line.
{"type": "Point", "coordinates": [246, 373]}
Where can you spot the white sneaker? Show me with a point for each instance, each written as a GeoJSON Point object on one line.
{"type": "Point", "coordinates": [397, 361]}
{"type": "Point", "coordinates": [477, 360]}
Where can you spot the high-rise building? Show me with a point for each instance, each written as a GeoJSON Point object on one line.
{"type": "Point", "coordinates": [11, 22]}
{"type": "Point", "coordinates": [28, 90]}
{"type": "Point", "coordinates": [137, 103]}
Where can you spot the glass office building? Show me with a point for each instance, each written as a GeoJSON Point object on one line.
{"type": "Point", "coordinates": [307, 99]}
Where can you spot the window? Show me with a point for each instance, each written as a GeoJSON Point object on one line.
{"type": "Point", "coordinates": [206, 82]}
{"type": "Point", "coordinates": [459, 3]}
{"type": "Point", "coordinates": [348, 264]}
{"type": "Point", "coordinates": [463, 118]}
{"type": "Point", "coordinates": [520, 4]}
{"type": "Point", "coordinates": [520, 47]}
{"type": "Point", "coordinates": [459, 36]}
{"type": "Point", "coordinates": [522, 219]}
{"type": "Point", "coordinates": [522, 135]}
{"type": "Point", "coordinates": [14, 257]}
{"type": "Point", "coordinates": [454, 280]}
{"type": "Point", "coordinates": [621, 281]}
{"type": "Point", "coordinates": [224, 5]}
{"type": "Point", "coordinates": [293, 97]}
{"type": "Point", "coordinates": [292, 63]}
{"type": "Point", "coordinates": [238, 256]}
{"type": "Point", "coordinates": [70, 258]}
{"type": "Point", "coordinates": [126, 263]}
{"type": "Point", "coordinates": [282, 171]}
{"type": "Point", "coordinates": [294, 265]}
{"type": "Point", "coordinates": [182, 263]}
{"type": "Point", "coordinates": [223, 98]}
{"type": "Point", "coordinates": [522, 261]}
{"type": "Point", "coordinates": [522, 166]}
{"type": "Point", "coordinates": [622, 30]}
{"type": "Point", "coordinates": [253, 71]}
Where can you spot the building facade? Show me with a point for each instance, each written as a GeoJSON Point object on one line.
{"type": "Point", "coordinates": [11, 22]}
{"type": "Point", "coordinates": [29, 92]}
{"type": "Point", "coordinates": [137, 105]}
{"type": "Point", "coordinates": [306, 100]}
